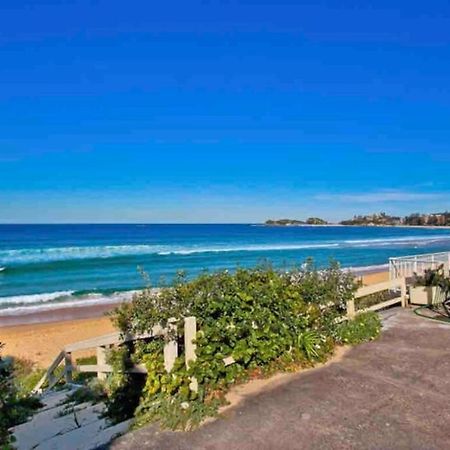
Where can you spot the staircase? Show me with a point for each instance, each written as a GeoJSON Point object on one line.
{"type": "Point", "coordinates": [59, 425]}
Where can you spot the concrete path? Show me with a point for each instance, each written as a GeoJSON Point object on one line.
{"type": "Point", "coordinates": [393, 393]}
{"type": "Point", "coordinates": [62, 426]}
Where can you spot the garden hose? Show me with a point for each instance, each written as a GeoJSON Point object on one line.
{"type": "Point", "coordinates": [445, 319]}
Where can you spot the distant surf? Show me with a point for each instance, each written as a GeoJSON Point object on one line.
{"type": "Point", "coordinates": [56, 254]}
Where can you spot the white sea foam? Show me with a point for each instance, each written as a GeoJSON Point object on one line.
{"type": "Point", "coordinates": [42, 255]}
{"type": "Point", "coordinates": [368, 269]}
{"type": "Point", "coordinates": [34, 298]}
{"type": "Point", "coordinates": [246, 248]}
{"type": "Point", "coordinates": [31, 255]}
{"type": "Point", "coordinates": [57, 300]}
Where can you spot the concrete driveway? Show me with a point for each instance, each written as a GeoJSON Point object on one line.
{"type": "Point", "coordinates": [393, 393]}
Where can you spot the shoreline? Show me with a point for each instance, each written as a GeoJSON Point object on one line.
{"type": "Point", "coordinates": [42, 340]}
{"type": "Point", "coordinates": [62, 314]}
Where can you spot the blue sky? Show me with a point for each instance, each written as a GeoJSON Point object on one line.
{"type": "Point", "coordinates": [232, 111]}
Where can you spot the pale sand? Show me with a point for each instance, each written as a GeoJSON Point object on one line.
{"type": "Point", "coordinates": [374, 278]}
{"type": "Point", "coordinates": [42, 342]}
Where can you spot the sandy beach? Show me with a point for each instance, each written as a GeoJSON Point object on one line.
{"type": "Point", "coordinates": [41, 342]}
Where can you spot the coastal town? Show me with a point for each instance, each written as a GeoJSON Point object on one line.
{"type": "Point", "coordinates": [379, 219]}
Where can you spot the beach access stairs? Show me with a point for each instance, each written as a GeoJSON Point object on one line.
{"type": "Point", "coordinates": [64, 425]}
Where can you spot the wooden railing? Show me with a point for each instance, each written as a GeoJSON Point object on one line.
{"type": "Point", "coordinates": [398, 284]}
{"type": "Point", "coordinates": [103, 343]}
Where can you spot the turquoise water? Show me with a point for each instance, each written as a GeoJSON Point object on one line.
{"type": "Point", "coordinates": [45, 266]}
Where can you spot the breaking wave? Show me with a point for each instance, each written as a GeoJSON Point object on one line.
{"type": "Point", "coordinates": [28, 304]}
{"type": "Point", "coordinates": [42, 255]}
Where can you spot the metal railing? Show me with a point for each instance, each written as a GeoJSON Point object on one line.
{"type": "Point", "coordinates": [407, 266]}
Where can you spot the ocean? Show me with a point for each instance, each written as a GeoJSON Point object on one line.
{"type": "Point", "coordinates": [45, 267]}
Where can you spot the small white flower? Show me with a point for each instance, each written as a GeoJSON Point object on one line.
{"type": "Point", "coordinates": [185, 405]}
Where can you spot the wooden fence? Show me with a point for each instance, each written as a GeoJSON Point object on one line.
{"type": "Point", "coordinates": [398, 284]}
{"type": "Point", "coordinates": [105, 342]}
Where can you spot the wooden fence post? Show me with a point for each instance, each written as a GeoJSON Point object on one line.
{"type": "Point", "coordinates": [351, 312]}
{"type": "Point", "coordinates": [190, 332]}
{"type": "Point", "coordinates": [101, 361]}
{"type": "Point", "coordinates": [171, 347]}
{"type": "Point", "coordinates": [403, 293]}
{"type": "Point", "coordinates": [68, 367]}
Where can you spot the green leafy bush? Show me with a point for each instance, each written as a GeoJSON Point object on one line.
{"type": "Point", "coordinates": [264, 319]}
{"type": "Point", "coordinates": [364, 327]}
{"type": "Point", "coordinates": [14, 407]}
{"type": "Point", "coordinates": [26, 376]}
{"type": "Point", "coordinates": [375, 299]}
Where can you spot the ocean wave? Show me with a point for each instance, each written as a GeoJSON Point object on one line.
{"type": "Point", "coordinates": [368, 269]}
{"type": "Point", "coordinates": [28, 304]}
{"type": "Point", "coordinates": [57, 254]}
{"type": "Point", "coordinates": [247, 248]}
{"type": "Point", "coordinates": [34, 298]}
{"type": "Point", "coordinates": [397, 240]}
{"type": "Point", "coordinates": [36, 255]}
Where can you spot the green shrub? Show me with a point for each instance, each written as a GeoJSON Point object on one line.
{"type": "Point", "coordinates": [15, 407]}
{"type": "Point", "coordinates": [26, 376]}
{"type": "Point", "coordinates": [374, 299]}
{"type": "Point", "coordinates": [364, 327]}
{"type": "Point", "coordinates": [263, 318]}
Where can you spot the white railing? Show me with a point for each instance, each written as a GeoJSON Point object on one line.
{"type": "Point", "coordinates": [102, 343]}
{"type": "Point", "coordinates": [407, 266]}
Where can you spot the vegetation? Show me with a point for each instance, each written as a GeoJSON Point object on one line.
{"type": "Point", "coordinates": [433, 277]}
{"type": "Point", "coordinates": [375, 299]}
{"type": "Point", "coordinates": [437, 278]}
{"type": "Point", "coordinates": [316, 221]}
{"type": "Point", "coordinates": [365, 327]}
{"type": "Point", "coordinates": [293, 222]}
{"type": "Point", "coordinates": [284, 222]}
{"type": "Point", "coordinates": [15, 407]}
{"type": "Point", "coordinates": [264, 319]}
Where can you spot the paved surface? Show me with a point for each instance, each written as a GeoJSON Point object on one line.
{"type": "Point", "coordinates": [393, 393]}
{"type": "Point", "coordinates": [59, 426]}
